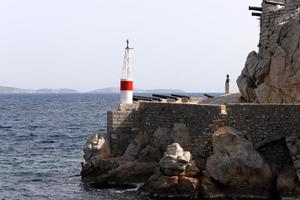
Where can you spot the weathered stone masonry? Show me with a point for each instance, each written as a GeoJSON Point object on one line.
{"type": "Point", "coordinates": [265, 125]}
{"type": "Point", "coordinates": [124, 124]}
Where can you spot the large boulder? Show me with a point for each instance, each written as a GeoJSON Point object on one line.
{"type": "Point", "coordinates": [161, 139]}
{"type": "Point", "coordinates": [288, 185]}
{"type": "Point", "coordinates": [171, 187]}
{"type": "Point", "coordinates": [141, 149]}
{"type": "Point", "coordinates": [96, 147]}
{"type": "Point", "coordinates": [136, 146]}
{"type": "Point", "coordinates": [177, 178]}
{"type": "Point", "coordinates": [273, 74]}
{"type": "Point", "coordinates": [210, 189]}
{"type": "Point", "coordinates": [293, 144]}
{"type": "Point", "coordinates": [174, 160]}
{"type": "Point", "coordinates": [104, 171]}
{"type": "Point", "coordinates": [236, 164]}
{"type": "Point", "coordinates": [180, 134]}
{"type": "Point", "coordinates": [127, 173]}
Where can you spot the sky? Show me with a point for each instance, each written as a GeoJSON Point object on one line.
{"type": "Point", "coordinates": [79, 44]}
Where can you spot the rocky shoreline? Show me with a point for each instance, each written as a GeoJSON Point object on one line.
{"type": "Point", "coordinates": [235, 170]}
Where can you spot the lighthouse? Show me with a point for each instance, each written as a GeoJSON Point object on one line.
{"type": "Point", "coordinates": [126, 86]}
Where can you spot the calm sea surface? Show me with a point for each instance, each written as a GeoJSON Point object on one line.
{"type": "Point", "coordinates": [41, 140]}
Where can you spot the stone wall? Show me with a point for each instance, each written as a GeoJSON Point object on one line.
{"type": "Point", "coordinates": [197, 118]}
{"type": "Point", "coordinates": [267, 21]}
{"type": "Point", "coordinates": [266, 126]}
{"type": "Point", "coordinates": [124, 124]}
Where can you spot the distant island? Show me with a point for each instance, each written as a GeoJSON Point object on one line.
{"type": "Point", "coordinates": [117, 90]}
{"type": "Point", "coordinates": [13, 90]}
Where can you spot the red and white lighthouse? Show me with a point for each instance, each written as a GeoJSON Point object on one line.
{"type": "Point", "coordinates": [126, 85]}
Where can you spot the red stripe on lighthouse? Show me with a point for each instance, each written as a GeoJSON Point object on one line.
{"type": "Point", "coordinates": [127, 85]}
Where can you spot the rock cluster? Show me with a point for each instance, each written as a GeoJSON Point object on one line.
{"type": "Point", "coordinates": [273, 74]}
{"type": "Point", "coordinates": [145, 148]}
{"type": "Point", "coordinates": [234, 170]}
{"type": "Point", "coordinates": [237, 170]}
{"type": "Point", "coordinates": [102, 170]}
{"type": "Point", "coordinates": [139, 161]}
{"type": "Point", "coordinates": [96, 148]}
{"type": "Point", "coordinates": [177, 178]}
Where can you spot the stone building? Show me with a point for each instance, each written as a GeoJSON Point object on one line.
{"type": "Point", "coordinates": [271, 75]}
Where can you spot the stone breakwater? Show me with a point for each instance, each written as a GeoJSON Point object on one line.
{"type": "Point", "coordinates": [195, 151]}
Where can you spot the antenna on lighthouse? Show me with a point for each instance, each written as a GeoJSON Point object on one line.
{"type": "Point", "coordinates": [126, 87]}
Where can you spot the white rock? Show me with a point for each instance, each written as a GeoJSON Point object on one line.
{"type": "Point", "coordinates": [175, 160]}
{"type": "Point", "coordinates": [97, 146]}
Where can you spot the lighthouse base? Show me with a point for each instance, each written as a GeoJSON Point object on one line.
{"type": "Point", "coordinates": [126, 97]}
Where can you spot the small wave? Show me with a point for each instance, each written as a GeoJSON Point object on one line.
{"type": "Point", "coordinates": [36, 180]}
{"type": "Point", "coordinates": [133, 189]}
{"type": "Point", "coordinates": [47, 142]}
{"type": "Point", "coordinates": [34, 127]}
{"type": "Point", "coordinates": [5, 127]}
{"type": "Point", "coordinates": [75, 175]}
{"type": "Point", "coordinates": [32, 180]}
{"type": "Point", "coordinates": [74, 128]}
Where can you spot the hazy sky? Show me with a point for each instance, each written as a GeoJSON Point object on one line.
{"type": "Point", "coordinates": [79, 44]}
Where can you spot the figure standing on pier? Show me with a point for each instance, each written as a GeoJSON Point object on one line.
{"type": "Point", "coordinates": [227, 85]}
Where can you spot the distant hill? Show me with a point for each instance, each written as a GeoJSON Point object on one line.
{"type": "Point", "coordinates": [117, 90]}
{"type": "Point", "coordinates": [13, 90]}
{"type": "Point", "coordinates": [105, 90]}
{"type": "Point", "coordinates": [64, 90]}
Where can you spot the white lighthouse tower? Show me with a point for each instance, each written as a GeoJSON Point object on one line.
{"type": "Point", "coordinates": [126, 85]}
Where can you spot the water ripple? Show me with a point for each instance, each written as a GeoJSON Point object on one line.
{"type": "Point", "coordinates": [41, 140]}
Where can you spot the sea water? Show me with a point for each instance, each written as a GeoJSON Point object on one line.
{"type": "Point", "coordinates": [41, 140]}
